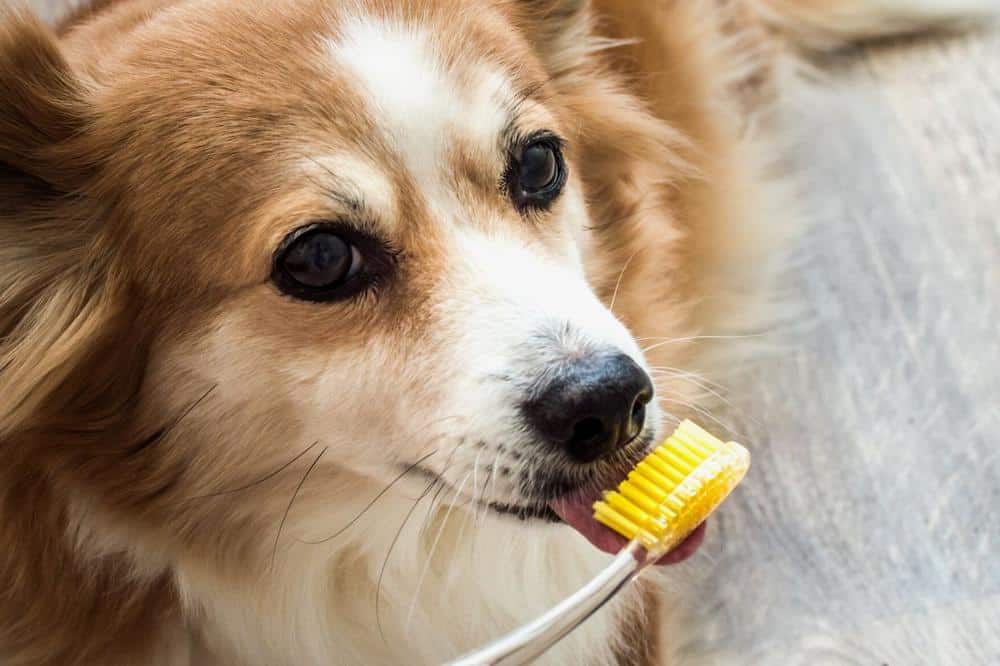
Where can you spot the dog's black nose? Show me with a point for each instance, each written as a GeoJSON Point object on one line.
{"type": "Point", "coordinates": [591, 406]}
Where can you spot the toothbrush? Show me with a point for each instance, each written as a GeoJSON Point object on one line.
{"type": "Point", "coordinates": [665, 497]}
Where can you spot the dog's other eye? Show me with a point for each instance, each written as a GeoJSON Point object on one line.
{"type": "Point", "coordinates": [537, 174]}
{"type": "Point", "coordinates": [318, 264]}
{"type": "Point", "coordinates": [539, 167]}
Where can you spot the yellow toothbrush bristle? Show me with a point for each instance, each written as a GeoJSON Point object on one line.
{"type": "Point", "coordinates": [674, 489]}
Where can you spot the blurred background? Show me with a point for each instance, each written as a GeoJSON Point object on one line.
{"type": "Point", "coordinates": [868, 531]}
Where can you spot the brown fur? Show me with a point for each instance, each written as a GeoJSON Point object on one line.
{"type": "Point", "coordinates": [114, 200]}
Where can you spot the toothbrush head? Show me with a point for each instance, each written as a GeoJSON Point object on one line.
{"type": "Point", "coordinates": [674, 489]}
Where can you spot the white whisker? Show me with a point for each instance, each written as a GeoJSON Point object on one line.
{"type": "Point", "coordinates": [703, 412]}
{"type": "Point", "coordinates": [690, 374]}
{"type": "Point", "coordinates": [697, 338]}
{"type": "Point", "coordinates": [618, 284]}
{"type": "Point", "coordinates": [697, 380]}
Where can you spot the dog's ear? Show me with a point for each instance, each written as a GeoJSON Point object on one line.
{"type": "Point", "coordinates": [41, 107]}
{"type": "Point", "coordinates": [560, 31]}
{"type": "Point", "coordinates": [54, 302]}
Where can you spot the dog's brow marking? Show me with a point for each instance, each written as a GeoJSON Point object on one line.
{"type": "Point", "coordinates": [355, 182]}
{"type": "Point", "coordinates": [522, 99]}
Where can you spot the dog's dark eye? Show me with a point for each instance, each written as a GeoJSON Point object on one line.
{"type": "Point", "coordinates": [539, 167]}
{"type": "Point", "coordinates": [537, 172]}
{"type": "Point", "coordinates": [319, 264]}
{"type": "Point", "coordinates": [320, 260]}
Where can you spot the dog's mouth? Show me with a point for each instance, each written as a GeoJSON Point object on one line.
{"type": "Point", "coordinates": [576, 511]}
{"type": "Point", "coordinates": [571, 504]}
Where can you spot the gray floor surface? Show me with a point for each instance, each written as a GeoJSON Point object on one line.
{"type": "Point", "coordinates": [868, 531]}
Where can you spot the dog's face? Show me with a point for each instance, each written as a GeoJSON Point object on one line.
{"type": "Point", "coordinates": [406, 289]}
{"type": "Point", "coordinates": [361, 250]}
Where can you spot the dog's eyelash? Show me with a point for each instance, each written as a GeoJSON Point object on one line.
{"type": "Point", "coordinates": [518, 138]}
{"type": "Point", "coordinates": [371, 292]}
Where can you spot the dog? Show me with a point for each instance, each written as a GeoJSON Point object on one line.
{"type": "Point", "coordinates": [322, 322]}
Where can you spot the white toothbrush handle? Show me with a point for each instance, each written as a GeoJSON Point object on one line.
{"type": "Point", "coordinates": [530, 641]}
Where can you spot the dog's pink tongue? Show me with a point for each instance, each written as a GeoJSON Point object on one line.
{"type": "Point", "coordinates": [576, 511]}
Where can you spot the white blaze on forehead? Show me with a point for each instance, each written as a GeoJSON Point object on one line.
{"type": "Point", "coordinates": [421, 104]}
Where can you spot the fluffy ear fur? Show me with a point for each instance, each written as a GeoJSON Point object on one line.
{"type": "Point", "coordinates": [54, 306]}
{"type": "Point", "coordinates": [41, 107]}
{"type": "Point", "coordinates": [62, 348]}
{"type": "Point", "coordinates": [560, 31]}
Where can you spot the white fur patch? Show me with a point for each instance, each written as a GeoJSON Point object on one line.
{"type": "Point", "coordinates": [420, 104]}
{"type": "Point", "coordinates": [523, 292]}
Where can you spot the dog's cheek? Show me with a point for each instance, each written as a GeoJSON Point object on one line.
{"type": "Point", "coordinates": [265, 396]}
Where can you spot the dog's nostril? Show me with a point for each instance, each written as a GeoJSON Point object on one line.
{"type": "Point", "coordinates": [589, 439]}
{"type": "Point", "coordinates": [639, 413]}
{"type": "Point", "coordinates": [638, 409]}
{"type": "Point", "coordinates": [587, 429]}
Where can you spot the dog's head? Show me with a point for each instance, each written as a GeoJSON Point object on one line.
{"type": "Point", "coordinates": [256, 251]}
